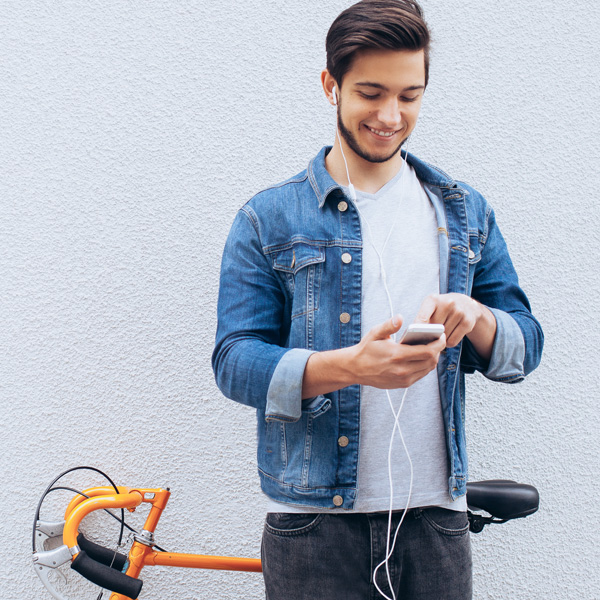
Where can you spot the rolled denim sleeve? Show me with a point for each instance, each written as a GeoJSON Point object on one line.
{"type": "Point", "coordinates": [519, 338]}
{"type": "Point", "coordinates": [250, 361]}
{"type": "Point", "coordinates": [284, 396]}
{"type": "Point", "coordinates": [508, 352]}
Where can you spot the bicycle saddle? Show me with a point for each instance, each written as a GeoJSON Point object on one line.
{"type": "Point", "coordinates": [503, 498]}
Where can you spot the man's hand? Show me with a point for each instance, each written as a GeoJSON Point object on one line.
{"type": "Point", "coordinates": [383, 363]}
{"type": "Point", "coordinates": [377, 360]}
{"type": "Point", "coordinates": [461, 316]}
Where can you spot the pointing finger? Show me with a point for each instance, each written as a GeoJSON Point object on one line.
{"type": "Point", "coordinates": [427, 309]}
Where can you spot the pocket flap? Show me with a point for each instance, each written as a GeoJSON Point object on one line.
{"type": "Point", "coordinates": [315, 407]}
{"type": "Point", "coordinates": [291, 260]}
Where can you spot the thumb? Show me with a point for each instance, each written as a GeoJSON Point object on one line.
{"type": "Point", "coordinates": [387, 328]}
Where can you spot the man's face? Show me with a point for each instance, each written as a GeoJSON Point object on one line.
{"type": "Point", "coordinates": [380, 100]}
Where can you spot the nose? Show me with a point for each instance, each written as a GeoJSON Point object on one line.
{"type": "Point", "coordinates": [390, 113]}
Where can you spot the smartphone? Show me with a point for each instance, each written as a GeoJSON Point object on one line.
{"type": "Point", "coordinates": [422, 333]}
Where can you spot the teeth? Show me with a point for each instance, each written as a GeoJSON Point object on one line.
{"type": "Point", "coordinates": [382, 133]}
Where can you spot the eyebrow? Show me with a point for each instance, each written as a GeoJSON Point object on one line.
{"type": "Point", "coordinates": [379, 86]}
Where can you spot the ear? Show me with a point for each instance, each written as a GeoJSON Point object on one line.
{"type": "Point", "coordinates": [328, 83]}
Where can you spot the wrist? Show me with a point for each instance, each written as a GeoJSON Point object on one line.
{"type": "Point", "coordinates": [484, 315]}
{"type": "Point", "coordinates": [483, 334]}
{"type": "Point", "coordinates": [480, 312]}
{"type": "Point", "coordinates": [328, 371]}
{"type": "Point", "coordinates": [350, 365]}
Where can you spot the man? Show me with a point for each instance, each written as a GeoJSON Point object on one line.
{"type": "Point", "coordinates": [315, 274]}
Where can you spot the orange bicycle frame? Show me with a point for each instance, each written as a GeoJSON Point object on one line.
{"type": "Point", "coordinates": [142, 553]}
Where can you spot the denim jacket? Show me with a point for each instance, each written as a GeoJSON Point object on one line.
{"type": "Point", "coordinates": [286, 293]}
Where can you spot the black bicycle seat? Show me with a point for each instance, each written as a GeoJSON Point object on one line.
{"type": "Point", "coordinates": [503, 498]}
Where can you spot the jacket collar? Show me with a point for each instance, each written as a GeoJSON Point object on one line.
{"type": "Point", "coordinates": [323, 184]}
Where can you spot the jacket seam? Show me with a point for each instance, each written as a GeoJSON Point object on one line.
{"type": "Point", "coordinates": [252, 218]}
{"type": "Point", "coordinates": [281, 418]}
{"type": "Point", "coordinates": [309, 242]}
{"type": "Point", "coordinates": [300, 178]}
{"type": "Point", "coordinates": [301, 487]}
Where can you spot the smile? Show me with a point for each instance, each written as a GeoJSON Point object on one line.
{"type": "Point", "coordinates": [380, 132]}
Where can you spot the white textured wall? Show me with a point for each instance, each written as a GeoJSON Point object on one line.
{"type": "Point", "coordinates": [131, 133]}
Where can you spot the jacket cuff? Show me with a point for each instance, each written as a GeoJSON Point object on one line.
{"type": "Point", "coordinates": [284, 396]}
{"type": "Point", "coordinates": [508, 353]}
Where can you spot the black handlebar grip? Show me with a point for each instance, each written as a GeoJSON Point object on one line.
{"type": "Point", "coordinates": [100, 554]}
{"type": "Point", "coordinates": [105, 577]}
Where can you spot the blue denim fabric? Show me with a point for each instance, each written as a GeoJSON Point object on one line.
{"type": "Point", "coordinates": [283, 289]}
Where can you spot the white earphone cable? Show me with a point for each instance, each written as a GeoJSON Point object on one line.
{"type": "Point", "coordinates": [396, 427]}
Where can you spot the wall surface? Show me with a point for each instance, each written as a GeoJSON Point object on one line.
{"type": "Point", "coordinates": [131, 134]}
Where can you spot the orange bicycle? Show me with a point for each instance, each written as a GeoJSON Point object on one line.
{"type": "Point", "coordinates": [502, 500]}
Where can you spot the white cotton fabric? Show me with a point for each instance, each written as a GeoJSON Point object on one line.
{"type": "Point", "coordinates": [411, 261]}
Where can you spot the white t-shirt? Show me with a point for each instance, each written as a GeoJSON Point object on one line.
{"type": "Point", "coordinates": [401, 213]}
{"type": "Point", "coordinates": [411, 261]}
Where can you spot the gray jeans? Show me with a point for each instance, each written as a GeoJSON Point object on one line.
{"type": "Point", "coordinates": [314, 556]}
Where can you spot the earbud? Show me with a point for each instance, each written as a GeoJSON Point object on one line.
{"type": "Point", "coordinates": [334, 92]}
{"type": "Point", "coordinates": [352, 191]}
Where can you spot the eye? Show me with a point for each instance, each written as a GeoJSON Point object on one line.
{"type": "Point", "coordinates": [405, 99]}
{"type": "Point", "coordinates": [369, 96]}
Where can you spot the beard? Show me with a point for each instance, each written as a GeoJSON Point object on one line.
{"type": "Point", "coordinates": [355, 147]}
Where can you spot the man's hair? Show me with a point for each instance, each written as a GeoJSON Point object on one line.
{"type": "Point", "coordinates": [375, 24]}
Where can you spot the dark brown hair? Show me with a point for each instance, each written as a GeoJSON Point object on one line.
{"type": "Point", "coordinates": [380, 24]}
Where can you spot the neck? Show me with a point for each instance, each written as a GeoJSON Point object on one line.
{"type": "Point", "coordinates": [366, 176]}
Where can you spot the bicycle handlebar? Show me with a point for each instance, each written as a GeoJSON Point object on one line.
{"type": "Point", "coordinates": [70, 532]}
{"type": "Point", "coordinates": [105, 576]}
{"type": "Point", "coordinates": [96, 568]}
{"type": "Point", "coordinates": [103, 555]}
{"type": "Point", "coordinates": [107, 568]}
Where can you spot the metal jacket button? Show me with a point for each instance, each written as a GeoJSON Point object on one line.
{"type": "Point", "coordinates": [343, 206]}
{"type": "Point", "coordinates": [345, 318]}
{"type": "Point", "coordinates": [471, 253]}
{"type": "Point", "coordinates": [338, 500]}
{"type": "Point", "coordinates": [343, 441]}
{"type": "Point", "coordinates": [346, 258]}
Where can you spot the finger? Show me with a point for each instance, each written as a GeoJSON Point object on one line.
{"type": "Point", "coordinates": [418, 371]}
{"type": "Point", "coordinates": [427, 309]}
{"type": "Point", "coordinates": [439, 344]}
{"type": "Point", "coordinates": [405, 381]}
{"type": "Point", "coordinates": [452, 326]}
{"type": "Point", "coordinates": [386, 329]}
{"type": "Point", "coordinates": [441, 314]}
{"type": "Point", "coordinates": [458, 328]}
{"type": "Point", "coordinates": [417, 375]}
{"type": "Point", "coordinates": [421, 352]}
{"type": "Point", "coordinates": [456, 335]}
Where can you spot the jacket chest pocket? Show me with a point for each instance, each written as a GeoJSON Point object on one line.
{"type": "Point", "coordinates": [301, 269]}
